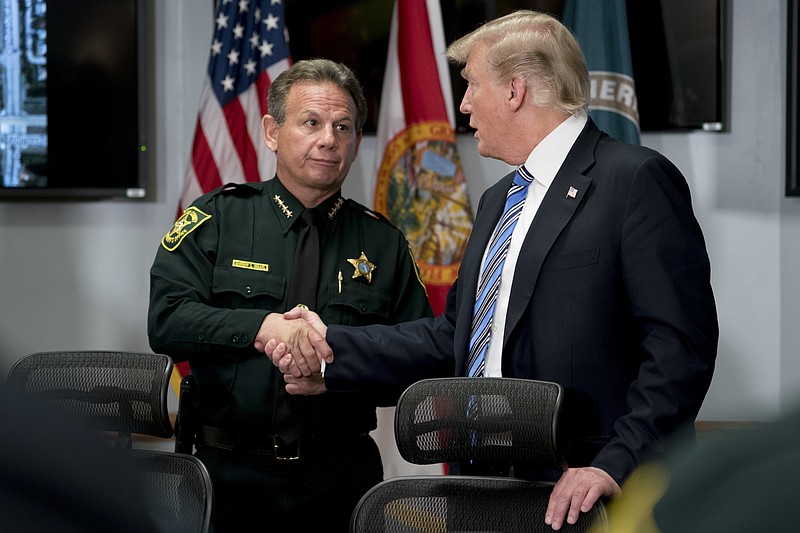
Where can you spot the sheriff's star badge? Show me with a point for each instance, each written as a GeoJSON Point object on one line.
{"type": "Point", "coordinates": [362, 267]}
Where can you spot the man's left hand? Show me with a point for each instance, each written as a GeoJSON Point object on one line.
{"type": "Point", "coordinates": [576, 492]}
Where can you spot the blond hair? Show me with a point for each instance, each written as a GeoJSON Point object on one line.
{"type": "Point", "coordinates": [538, 48]}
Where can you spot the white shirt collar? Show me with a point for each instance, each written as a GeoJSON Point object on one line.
{"type": "Point", "coordinates": [548, 156]}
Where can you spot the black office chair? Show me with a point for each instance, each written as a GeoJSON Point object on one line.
{"type": "Point", "coordinates": [504, 423]}
{"type": "Point", "coordinates": [118, 394]}
{"type": "Point", "coordinates": [178, 490]}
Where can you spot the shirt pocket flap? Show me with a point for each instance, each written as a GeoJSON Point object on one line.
{"type": "Point", "coordinates": [248, 283]}
{"type": "Point", "coordinates": [362, 298]}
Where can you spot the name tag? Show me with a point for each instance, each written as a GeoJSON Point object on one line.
{"type": "Point", "coordinates": [238, 263]}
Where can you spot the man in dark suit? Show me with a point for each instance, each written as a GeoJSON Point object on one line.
{"type": "Point", "coordinates": [605, 287]}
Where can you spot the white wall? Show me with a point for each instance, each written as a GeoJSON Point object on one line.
{"type": "Point", "coordinates": [75, 275]}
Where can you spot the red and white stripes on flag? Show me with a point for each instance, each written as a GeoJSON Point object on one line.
{"type": "Point", "coordinates": [420, 181]}
{"type": "Point", "coordinates": [250, 48]}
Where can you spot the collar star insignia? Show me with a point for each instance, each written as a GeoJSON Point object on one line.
{"type": "Point", "coordinates": [362, 267]}
{"type": "Point", "coordinates": [335, 208]}
{"type": "Point", "coordinates": [278, 200]}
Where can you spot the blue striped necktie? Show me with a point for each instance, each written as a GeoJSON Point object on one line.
{"type": "Point", "coordinates": [489, 280]}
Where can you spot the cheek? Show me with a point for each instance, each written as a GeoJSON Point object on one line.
{"type": "Point", "coordinates": [299, 146]}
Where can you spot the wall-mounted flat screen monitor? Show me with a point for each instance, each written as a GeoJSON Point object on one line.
{"type": "Point", "coordinates": [72, 119]}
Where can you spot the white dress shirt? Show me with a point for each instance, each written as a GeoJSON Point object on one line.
{"type": "Point", "coordinates": [543, 163]}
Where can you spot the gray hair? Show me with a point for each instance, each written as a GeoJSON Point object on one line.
{"type": "Point", "coordinates": [315, 71]}
{"type": "Point", "coordinates": [538, 48]}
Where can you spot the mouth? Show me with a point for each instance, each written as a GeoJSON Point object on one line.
{"type": "Point", "coordinates": [325, 162]}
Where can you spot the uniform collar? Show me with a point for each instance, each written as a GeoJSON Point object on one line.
{"type": "Point", "coordinates": [287, 208]}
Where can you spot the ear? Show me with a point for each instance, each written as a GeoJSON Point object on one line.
{"type": "Point", "coordinates": [518, 90]}
{"type": "Point", "coordinates": [270, 127]}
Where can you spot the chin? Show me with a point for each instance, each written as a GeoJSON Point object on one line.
{"type": "Point", "coordinates": [483, 150]}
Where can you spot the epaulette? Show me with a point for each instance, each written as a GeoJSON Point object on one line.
{"type": "Point", "coordinates": [368, 211]}
{"type": "Point", "coordinates": [239, 189]}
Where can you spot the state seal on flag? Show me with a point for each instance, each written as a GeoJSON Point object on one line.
{"type": "Point", "coordinates": [422, 190]}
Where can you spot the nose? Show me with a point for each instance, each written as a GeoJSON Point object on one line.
{"type": "Point", "coordinates": [327, 138]}
{"type": "Point", "coordinates": [466, 104]}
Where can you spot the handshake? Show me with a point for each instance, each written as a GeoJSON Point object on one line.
{"type": "Point", "coordinates": [295, 342]}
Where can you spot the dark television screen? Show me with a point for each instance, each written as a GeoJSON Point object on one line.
{"type": "Point", "coordinates": [72, 123]}
{"type": "Point", "coordinates": [677, 49]}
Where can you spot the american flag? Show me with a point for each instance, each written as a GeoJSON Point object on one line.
{"type": "Point", "coordinates": [250, 48]}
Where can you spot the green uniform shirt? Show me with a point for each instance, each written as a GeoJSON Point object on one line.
{"type": "Point", "coordinates": [228, 262]}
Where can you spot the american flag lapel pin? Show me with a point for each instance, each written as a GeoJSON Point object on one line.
{"type": "Point", "coordinates": [572, 192]}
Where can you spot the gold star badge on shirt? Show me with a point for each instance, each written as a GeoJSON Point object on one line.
{"type": "Point", "coordinates": [363, 267]}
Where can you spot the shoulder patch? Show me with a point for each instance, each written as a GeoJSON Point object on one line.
{"type": "Point", "coordinates": [190, 220]}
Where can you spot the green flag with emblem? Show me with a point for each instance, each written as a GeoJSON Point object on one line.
{"type": "Point", "coordinates": [601, 27]}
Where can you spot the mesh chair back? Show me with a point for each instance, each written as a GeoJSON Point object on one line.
{"type": "Point", "coordinates": [177, 489]}
{"type": "Point", "coordinates": [496, 419]}
{"type": "Point", "coordinates": [123, 392]}
{"type": "Point", "coordinates": [460, 504]}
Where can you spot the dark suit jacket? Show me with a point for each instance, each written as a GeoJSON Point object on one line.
{"type": "Point", "coordinates": [611, 298]}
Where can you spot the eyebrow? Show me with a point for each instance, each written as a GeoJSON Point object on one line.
{"type": "Point", "coordinates": [313, 113]}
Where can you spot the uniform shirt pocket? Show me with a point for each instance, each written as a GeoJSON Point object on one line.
{"type": "Point", "coordinates": [358, 303]}
{"type": "Point", "coordinates": [237, 287]}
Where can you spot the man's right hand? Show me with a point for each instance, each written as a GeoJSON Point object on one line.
{"type": "Point", "coordinates": [303, 358]}
{"type": "Point", "coordinates": [298, 337]}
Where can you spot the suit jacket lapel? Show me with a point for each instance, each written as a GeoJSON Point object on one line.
{"type": "Point", "coordinates": [565, 194]}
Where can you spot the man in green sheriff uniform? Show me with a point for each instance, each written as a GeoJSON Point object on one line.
{"type": "Point", "coordinates": [220, 282]}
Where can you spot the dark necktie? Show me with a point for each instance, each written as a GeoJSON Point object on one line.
{"type": "Point", "coordinates": [489, 279]}
{"type": "Point", "coordinates": [291, 411]}
{"type": "Point", "coordinates": [305, 276]}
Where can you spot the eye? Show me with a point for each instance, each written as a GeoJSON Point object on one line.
{"type": "Point", "coordinates": [343, 127]}
{"type": "Point", "coordinates": [312, 122]}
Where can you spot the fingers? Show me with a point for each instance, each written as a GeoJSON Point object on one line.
{"type": "Point", "coordinates": [577, 491]}
{"type": "Point", "coordinates": [275, 350]}
{"type": "Point", "coordinates": [305, 357]}
{"type": "Point", "coordinates": [294, 312]}
{"type": "Point", "coordinates": [304, 386]}
{"type": "Point", "coordinates": [287, 366]}
{"type": "Point", "coordinates": [309, 316]}
{"type": "Point", "coordinates": [321, 347]}
{"type": "Point", "coordinates": [558, 506]}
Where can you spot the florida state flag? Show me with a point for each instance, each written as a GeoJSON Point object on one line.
{"type": "Point", "coordinates": [421, 186]}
